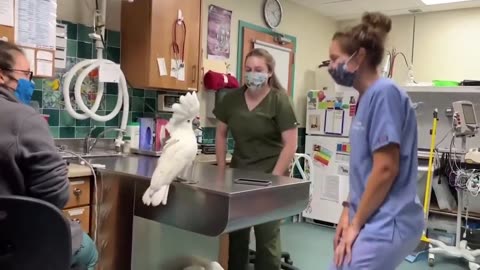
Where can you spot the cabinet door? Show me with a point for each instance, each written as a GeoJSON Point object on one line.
{"type": "Point", "coordinates": [164, 15]}
{"type": "Point", "coordinates": [192, 14]}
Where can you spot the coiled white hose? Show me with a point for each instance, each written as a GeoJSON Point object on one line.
{"type": "Point", "coordinates": [123, 97]}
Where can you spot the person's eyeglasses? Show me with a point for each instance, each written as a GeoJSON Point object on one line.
{"type": "Point", "coordinates": [27, 73]}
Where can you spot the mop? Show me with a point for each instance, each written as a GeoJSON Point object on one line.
{"type": "Point", "coordinates": [422, 248]}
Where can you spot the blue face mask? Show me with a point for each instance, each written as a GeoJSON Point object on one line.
{"type": "Point", "coordinates": [342, 76]}
{"type": "Point", "coordinates": [24, 91]}
{"type": "Point", "coordinates": [255, 80]}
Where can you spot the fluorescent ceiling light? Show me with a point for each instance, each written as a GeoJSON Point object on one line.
{"type": "Point", "coordinates": [438, 2]}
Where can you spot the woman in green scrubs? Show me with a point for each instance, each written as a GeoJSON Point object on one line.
{"type": "Point", "coordinates": [264, 127]}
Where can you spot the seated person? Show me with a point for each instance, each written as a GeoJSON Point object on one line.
{"type": "Point", "coordinates": [30, 164]}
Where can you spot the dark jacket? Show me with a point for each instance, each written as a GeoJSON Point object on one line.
{"type": "Point", "coordinates": [29, 162]}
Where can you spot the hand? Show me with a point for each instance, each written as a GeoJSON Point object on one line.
{"type": "Point", "coordinates": [342, 226]}
{"type": "Point", "coordinates": [343, 252]}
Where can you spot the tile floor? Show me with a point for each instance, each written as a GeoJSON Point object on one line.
{"type": "Point", "coordinates": [310, 247]}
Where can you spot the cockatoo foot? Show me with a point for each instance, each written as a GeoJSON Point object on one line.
{"type": "Point", "coordinates": [147, 196]}
{"type": "Point", "coordinates": [155, 197]}
{"type": "Point", "coordinates": [160, 196]}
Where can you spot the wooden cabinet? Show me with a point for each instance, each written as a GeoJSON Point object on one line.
{"type": "Point", "coordinates": [78, 206]}
{"type": "Point", "coordinates": [147, 33]}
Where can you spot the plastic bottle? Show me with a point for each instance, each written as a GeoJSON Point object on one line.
{"type": "Point", "coordinates": [133, 131]}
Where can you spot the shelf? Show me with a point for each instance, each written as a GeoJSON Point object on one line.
{"type": "Point", "coordinates": [432, 89]}
{"type": "Point", "coordinates": [471, 215]}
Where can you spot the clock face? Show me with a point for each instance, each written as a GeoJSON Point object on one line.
{"type": "Point", "coordinates": [273, 13]}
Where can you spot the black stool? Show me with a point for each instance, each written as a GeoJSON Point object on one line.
{"type": "Point", "coordinates": [33, 235]}
{"type": "Point", "coordinates": [287, 263]}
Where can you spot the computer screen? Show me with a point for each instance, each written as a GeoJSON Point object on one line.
{"type": "Point", "coordinates": [469, 114]}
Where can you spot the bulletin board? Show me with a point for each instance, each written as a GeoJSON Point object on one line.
{"type": "Point", "coordinates": [32, 25]}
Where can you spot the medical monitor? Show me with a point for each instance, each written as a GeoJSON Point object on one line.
{"type": "Point", "coordinates": [467, 124]}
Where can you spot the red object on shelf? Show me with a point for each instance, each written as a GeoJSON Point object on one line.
{"type": "Point", "coordinates": [216, 81]}
{"type": "Point", "coordinates": [160, 124]}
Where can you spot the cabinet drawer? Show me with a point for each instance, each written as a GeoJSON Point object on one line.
{"type": "Point", "coordinates": [79, 193]}
{"type": "Point", "coordinates": [80, 215]}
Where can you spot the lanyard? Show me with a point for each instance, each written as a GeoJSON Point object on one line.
{"type": "Point", "coordinates": [179, 55]}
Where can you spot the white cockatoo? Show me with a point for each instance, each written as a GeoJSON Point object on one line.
{"type": "Point", "coordinates": [179, 152]}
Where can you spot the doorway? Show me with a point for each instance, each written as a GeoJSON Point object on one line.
{"type": "Point", "coordinates": [251, 36]}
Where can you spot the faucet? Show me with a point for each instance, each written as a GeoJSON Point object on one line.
{"type": "Point", "coordinates": [87, 147]}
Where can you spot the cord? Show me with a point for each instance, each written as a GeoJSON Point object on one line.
{"type": "Point", "coordinates": [92, 169]}
{"type": "Point", "coordinates": [473, 184]}
{"type": "Point", "coordinates": [175, 46]}
{"type": "Point", "coordinates": [404, 57]}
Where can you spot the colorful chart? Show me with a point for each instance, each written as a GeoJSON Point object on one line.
{"type": "Point", "coordinates": [322, 155]}
{"type": "Point", "coordinates": [343, 148]}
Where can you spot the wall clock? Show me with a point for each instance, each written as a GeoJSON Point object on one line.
{"type": "Point", "coordinates": [273, 13]}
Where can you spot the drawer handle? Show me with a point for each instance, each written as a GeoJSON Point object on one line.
{"type": "Point", "coordinates": [105, 244]}
{"type": "Point", "coordinates": [77, 220]}
{"type": "Point", "coordinates": [194, 75]}
{"type": "Point", "coordinates": [77, 192]}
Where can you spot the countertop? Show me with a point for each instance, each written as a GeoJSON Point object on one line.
{"type": "Point", "coordinates": [77, 170]}
{"type": "Point", "coordinates": [209, 202]}
{"type": "Point", "coordinates": [205, 176]}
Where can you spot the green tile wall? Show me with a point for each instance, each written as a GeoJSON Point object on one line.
{"type": "Point", "coordinates": [79, 47]}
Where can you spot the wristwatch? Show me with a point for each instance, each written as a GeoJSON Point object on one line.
{"type": "Point", "coordinates": [345, 204]}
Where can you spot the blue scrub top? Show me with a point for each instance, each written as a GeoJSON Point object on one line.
{"type": "Point", "coordinates": [385, 116]}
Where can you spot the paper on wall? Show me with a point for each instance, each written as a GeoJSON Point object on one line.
{"type": "Point", "coordinates": [109, 73]}
{"type": "Point", "coordinates": [173, 68]}
{"type": "Point", "coordinates": [177, 69]}
{"type": "Point", "coordinates": [6, 13]}
{"type": "Point", "coordinates": [61, 46]}
{"type": "Point", "coordinates": [35, 23]}
{"type": "Point", "coordinates": [181, 72]}
{"type": "Point", "coordinates": [44, 55]}
{"type": "Point", "coordinates": [61, 42]}
{"type": "Point", "coordinates": [30, 54]}
{"type": "Point", "coordinates": [44, 68]}
{"type": "Point", "coordinates": [334, 121]}
{"type": "Point", "coordinates": [214, 65]}
{"type": "Point", "coordinates": [162, 66]}
{"type": "Point", "coordinates": [330, 188]}
{"type": "Point", "coordinates": [61, 30]}
{"type": "Point", "coordinates": [60, 63]}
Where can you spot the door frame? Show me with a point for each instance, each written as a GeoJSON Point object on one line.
{"type": "Point", "coordinates": [242, 25]}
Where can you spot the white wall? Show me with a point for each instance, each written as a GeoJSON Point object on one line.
{"type": "Point", "coordinates": [81, 11]}
{"type": "Point", "coordinates": [446, 45]}
{"type": "Point", "coordinates": [313, 33]}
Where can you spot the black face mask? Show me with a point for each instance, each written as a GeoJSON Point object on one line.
{"type": "Point", "coordinates": [341, 75]}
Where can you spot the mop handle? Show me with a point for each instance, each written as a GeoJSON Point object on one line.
{"type": "Point", "coordinates": [428, 185]}
{"type": "Point", "coordinates": [430, 163]}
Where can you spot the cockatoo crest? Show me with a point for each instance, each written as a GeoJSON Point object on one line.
{"type": "Point", "coordinates": [185, 111]}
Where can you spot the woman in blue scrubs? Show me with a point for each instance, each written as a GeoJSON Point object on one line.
{"type": "Point", "coordinates": [382, 220]}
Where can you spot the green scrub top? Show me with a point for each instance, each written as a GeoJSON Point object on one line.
{"type": "Point", "coordinates": [257, 133]}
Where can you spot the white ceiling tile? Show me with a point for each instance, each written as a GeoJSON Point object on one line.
{"type": "Point", "coordinates": [375, 5]}
{"type": "Point", "coordinates": [349, 9]}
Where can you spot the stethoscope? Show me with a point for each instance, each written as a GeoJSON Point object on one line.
{"type": "Point", "coordinates": [179, 55]}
